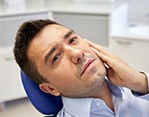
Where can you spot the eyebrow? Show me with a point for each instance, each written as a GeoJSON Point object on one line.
{"type": "Point", "coordinates": [68, 34]}
{"type": "Point", "coordinates": [51, 51]}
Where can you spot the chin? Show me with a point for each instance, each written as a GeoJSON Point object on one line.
{"type": "Point", "coordinates": [101, 71]}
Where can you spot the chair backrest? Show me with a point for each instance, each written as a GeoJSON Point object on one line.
{"type": "Point", "coordinates": [45, 103]}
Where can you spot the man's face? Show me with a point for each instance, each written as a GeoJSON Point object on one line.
{"type": "Point", "coordinates": [67, 62]}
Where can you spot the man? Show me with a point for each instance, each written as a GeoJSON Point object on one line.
{"type": "Point", "coordinates": [85, 74]}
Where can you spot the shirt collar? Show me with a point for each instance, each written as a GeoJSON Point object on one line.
{"type": "Point", "coordinates": [115, 90]}
{"type": "Point", "coordinates": [83, 105]}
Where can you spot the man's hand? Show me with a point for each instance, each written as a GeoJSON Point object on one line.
{"type": "Point", "coordinates": [119, 72]}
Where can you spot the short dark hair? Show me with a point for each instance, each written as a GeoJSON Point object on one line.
{"type": "Point", "coordinates": [25, 34]}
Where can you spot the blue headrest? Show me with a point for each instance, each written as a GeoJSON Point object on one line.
{"type": "Point", "coordinates": [45, 103]}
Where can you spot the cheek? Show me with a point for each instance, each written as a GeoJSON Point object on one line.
{"type": "Point", "coordinates": [65, 82]}
{"type": "Point", "coordinates": [83, 45]}
{"type": "Point", "coordinates": [63, 72]}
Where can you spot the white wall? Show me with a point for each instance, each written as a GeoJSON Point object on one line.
{"type": "Point", "coordinates": [139, 10]}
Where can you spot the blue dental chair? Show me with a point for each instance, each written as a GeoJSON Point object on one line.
{"type": "Point", "coordinates": [47, 104]}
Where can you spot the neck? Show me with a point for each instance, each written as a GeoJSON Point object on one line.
{"type": "Point", "coordinates": [106, 96]}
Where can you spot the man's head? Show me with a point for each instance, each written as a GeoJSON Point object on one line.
{"type": "Point", "coordinates": [27, 31]}
{"type": "Point", "coordinates": [58, 60]}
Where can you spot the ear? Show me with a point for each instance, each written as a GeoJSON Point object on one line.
{"type": "Point", "coordinates": [47, 88]}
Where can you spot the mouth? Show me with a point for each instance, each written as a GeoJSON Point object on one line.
{"type": "Point", "coordinates": [87, 64]}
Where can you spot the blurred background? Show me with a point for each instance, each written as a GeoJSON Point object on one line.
{"type": "Point", "coordinates": [122, 26]}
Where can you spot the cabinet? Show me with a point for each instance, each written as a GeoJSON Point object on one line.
{"type": "Point", "coordinates": [10, 81]}
{"type": "Point", "coordinates": [133, 51]}
{"type": "Point", "coordinates": [9, 24]}
{"type": "Point", "coordinates": [94, 27]}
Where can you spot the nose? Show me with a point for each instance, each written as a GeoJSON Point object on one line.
{"type": "Point", "coordinates": [76, 55]}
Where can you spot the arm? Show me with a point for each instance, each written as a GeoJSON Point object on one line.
{"type": "Point", "coordinates": [119, 72]}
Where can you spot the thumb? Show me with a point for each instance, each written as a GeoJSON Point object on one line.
{"type": "Point", "coordinates": [111, 75]}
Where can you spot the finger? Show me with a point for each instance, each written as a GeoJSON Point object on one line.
{"type": "Point", "coordinates": [110, 61]}
{"type": "Point", "coordinates": [112, 76]}
{"type": "Point", "coordinates": [99, 48]}
{"type": "Point", "coordinates": [100, 55]}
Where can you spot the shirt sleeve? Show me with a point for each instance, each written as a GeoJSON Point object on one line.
{"type": "Point", "coordinates": [147, 76]}
{"type": "Point", "coordinates": [148, 81]}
